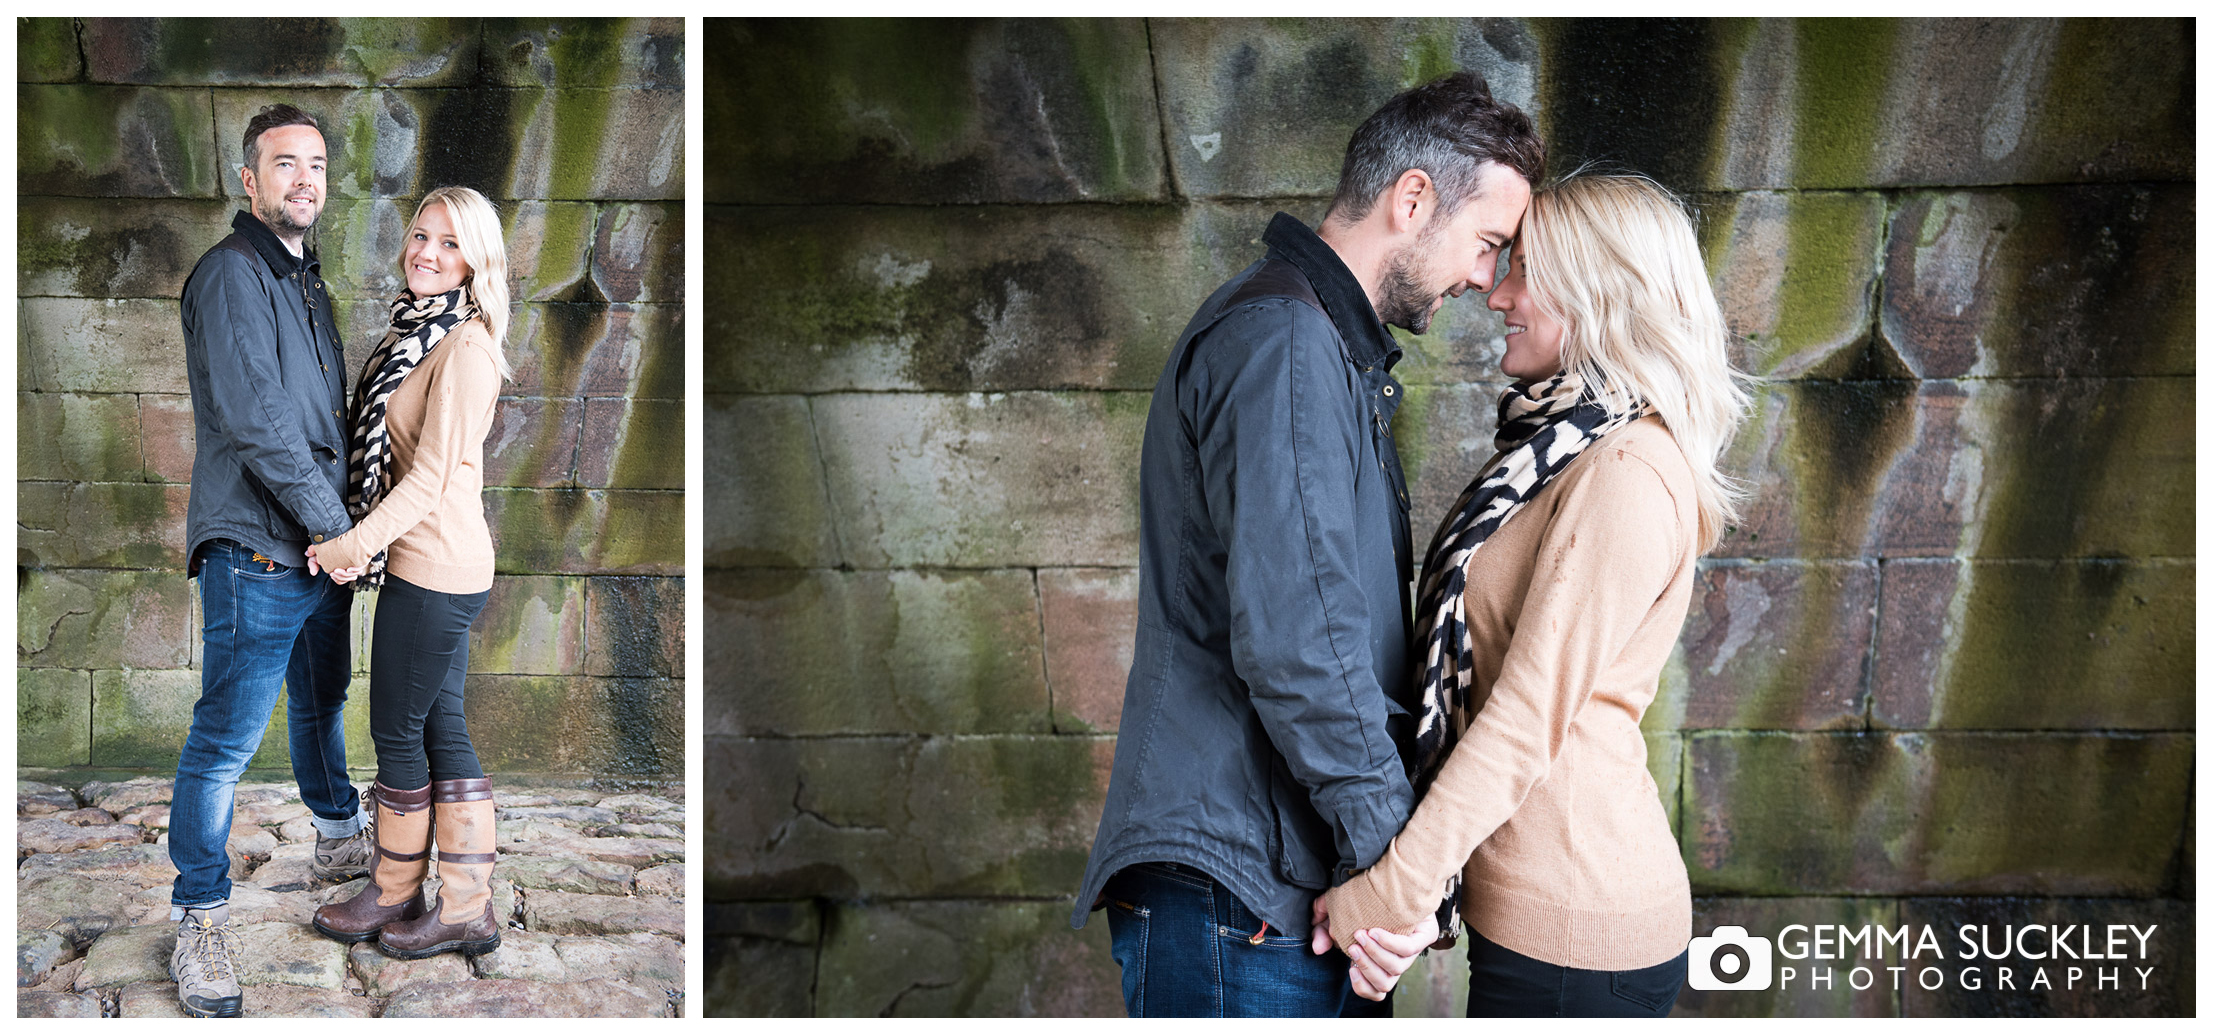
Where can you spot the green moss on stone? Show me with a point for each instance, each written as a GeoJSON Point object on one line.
{"type": "Point", "coordinates": [53, 717]}
{"type": "Point", "coordinates": [1844, 71]}
{"type": "Point", "coordinates": [652, 451]}
{"type": "Point", "coordinates": [2072, 644]}
{"type": "Point", "coordinates": [47, 50]}
{"type": "Point", "coordinates": [1829, 274]}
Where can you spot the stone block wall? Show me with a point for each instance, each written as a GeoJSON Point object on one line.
{"type": "Point", "coordinates": [127, 171]}
{"type": "Point", "coordinates": [1940, 674]}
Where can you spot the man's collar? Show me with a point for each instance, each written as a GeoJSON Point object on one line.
{"type": "Point", "coordinates": [280, 259]}
{"type": "Point", "coordinates": [1366, 340]}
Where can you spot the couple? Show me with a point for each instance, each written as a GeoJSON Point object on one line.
{"type": "Point", "coordinates": [299, 499]}
{"type": "Point", "coordinates": [1307, 791]}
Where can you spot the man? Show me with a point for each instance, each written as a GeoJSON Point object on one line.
{"type": "Point", "coordinates": [1268, 707]}
{"type": "Point", "coordinates": [267, 375]}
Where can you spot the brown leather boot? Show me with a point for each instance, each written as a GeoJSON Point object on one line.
{"type": "Point", "coordinates": [462, 917]}
{"type": "Point", "coordinates": [396, 879]}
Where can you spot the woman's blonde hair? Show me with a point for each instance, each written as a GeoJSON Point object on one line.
{"type": "Point", "coordinates": [1615, 259]}
{"type": "Point", "coordinates": [477, 230]}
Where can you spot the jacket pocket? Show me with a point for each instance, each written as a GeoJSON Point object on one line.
{"type": "Point", "coordinates": [1304, 844]}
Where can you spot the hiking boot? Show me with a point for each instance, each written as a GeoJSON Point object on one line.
{"type": "Point", "coordinates": [344, 859]}
{"type": "Point", "coordinates": [403, 830]}
{"type": "Point", "coordinates": [207, 981]}
{"type": "Point", "coordinates": [461, 916]}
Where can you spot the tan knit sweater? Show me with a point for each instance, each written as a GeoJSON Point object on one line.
{"type": "Point", "coordinates": [432, 522]}
{"type": "Point", "coordinates": [1545, 804]}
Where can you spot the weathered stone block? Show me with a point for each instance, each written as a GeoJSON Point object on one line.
{"type": "Point", "coordinates": [1026, 478]}
{"type": "Point", "coordinates": [114, 142]}
{"type": "Point", "coordinates": [555, 874]}
{"type": "Point", "coordinates": [1090, 617]}
{"type": "Point", "coordinates": [1803, 992]}
{"type": "Point", "coordinates": [1933, 814]}
{"type": "Point", "coordinates": [566, 724]}
{"type": "Point", "coordinates": [634, 626]}
{"type": "Point", "coordinates": [299, 1002]}
{"type": "Point", "coordinates": [98, 249]}
{"type": "Point", "coordinates": [576, 913]}
{"type": "Point", "coordinates": [1258, 110]}
{"type": "Point", "coordinates": [514, 998]}
{"type": "Point", "coordinates": [90, 619]}
{"type": "Point", "coordinates": [53, 835]}
{"type": "Point", "coordinates": [105, 345]}
{"type": "Point", "coordinates": [757, 978]}
{"type": "Point", "coordinates": [2035, 645]}
{"type": "Point", "coordinates": [638, 252]}
{"type": "Point", "coordinates": [561, 139]}
{"type": "Point", "coordinates": [826, 652]}
{"type": "Point", "coordinates": [2014, 468]}
{"type": "Point", "coordinates": [632, 444]}
{"type": "Point", "coordinates": [966, 959]}
{"type": "Point", "coordinates": [2151, 977]}
{"type": "Point", "coordinates": [302, 52]}
{"type": "Point", "coordinates": [533, 442]}
{"type": "Point", "coordinates": [526, 956]}
{"type": "Point", "coordinates": [999, 816]}
{"type": "Point", "coordinates": [102, 524]}
{"type": "Point", "coordinates": [383, 976]}
{"type": "Point", "coordinates": [53, 717]}
{"type": "Point", "coordinates": [638, 957]}
{"type": "Point", "coordinates": [1796, 276]}
{"type": "Point", "coordinates": [931, 111]}
{"type": "Point", "coordinates": [549, 248]}
{"type": "Point", "coordinates": [140, 716]}
{"type": "Point", "coordinates": [1647, 95]}
{"type": "Point", "coordinates": [2010, 283]}
{"type": "Point", "coordinates": [595, 531]}
{"type": "Point", "coordinates": [588, 349]}
{"type": "Point", "coordinates": [1444, 434]}
{"type": "Point", "coordinates": [1778, 645]}
{"type": "Point", "coordinates": [360, 241]}
{"type": "Point", "coordinates": [585, 52]}
{"type": "Point", "coordinates": [530, 624]}
{"type": "Point", "coordinates": [817, 299]}
{"type": "Point", "coordinates": [2026, 101]}
{"type": "Point", "coordinates": [66, 436]}
{"type": "Point", "coordinates": [166, 437]}
{"type": "Point", "coordinates": [77, 907]}
{"type": "Point", "coordinates": [37, 953]}
{"type": "Point", "coordinates": [766, 502]}
{"type": "Point", "coordinates": [46, 50]}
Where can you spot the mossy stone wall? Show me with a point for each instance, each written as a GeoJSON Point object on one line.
{"type": "Point", "coordinates": [1941, 673]}
{"type": "Point", "coordinates": [128, 149]}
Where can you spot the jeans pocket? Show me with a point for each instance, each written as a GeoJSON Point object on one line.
{"type": "Point", "coordinates": [1128, 926]}
{"type": "Point", "coordinates": [1654, 988]}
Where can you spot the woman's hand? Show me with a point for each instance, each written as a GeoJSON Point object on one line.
{"type": "Point", "coordinates": [1380, 956]}
{"type": "Point", "coordinates": [342, 576]}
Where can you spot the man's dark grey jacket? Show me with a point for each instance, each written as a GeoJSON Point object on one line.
{"type": "Point", "coordinates": [267, 372]}
{"type": "Point", "coordinates": [1268, 705]}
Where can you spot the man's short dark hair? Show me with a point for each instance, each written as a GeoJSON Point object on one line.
{"type": "Point", "coordinates": [1447, 127]}
{"type": "Point", "coordinates": [270, 117]}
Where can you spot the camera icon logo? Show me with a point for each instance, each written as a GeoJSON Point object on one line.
{"type": "Point", "coordinates": [1731, 958]}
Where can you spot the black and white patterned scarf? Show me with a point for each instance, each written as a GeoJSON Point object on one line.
{"type": "Point", "coordinates": [417, 326]}
{"type": "Point", "coordinates": [1542, 427]}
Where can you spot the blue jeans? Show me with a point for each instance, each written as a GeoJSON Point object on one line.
{"type": "Point", "coordinates": [266, 628]}
{"type": "Point", "coordinates": [1506, 984]}
{"type": "Point", "coordinates": [1187, 951]}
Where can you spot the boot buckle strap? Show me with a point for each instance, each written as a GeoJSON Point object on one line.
{"type": "Point", "coordinates": [402, 857]}
{"type": "Point", "coordinates": [447, 857]}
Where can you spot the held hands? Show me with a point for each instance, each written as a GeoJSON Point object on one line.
{"type": "Point", "coordinates": [341, 576]}
{"type": "Point", "coordinates": [1380, 956]}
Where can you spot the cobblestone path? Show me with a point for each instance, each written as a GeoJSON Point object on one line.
{"type": "Point", "coordinates": [590, 885]}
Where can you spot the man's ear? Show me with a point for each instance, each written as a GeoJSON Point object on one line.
{"type": "Point", "coordinates": [246, 180]}
{"type": "Point", "coordinates": [1410, 201]}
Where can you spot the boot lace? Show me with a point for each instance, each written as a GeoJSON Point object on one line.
{"type": "Point", "coordinates": [212, 947]}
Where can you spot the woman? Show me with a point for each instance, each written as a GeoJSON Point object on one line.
{"type": "Point", "coordinates": [1550, 600]}
{"type": "Point", "coordinates": [421, 410]}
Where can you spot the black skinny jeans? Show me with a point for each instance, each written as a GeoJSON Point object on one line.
{"type": "Point", "coordinates": [416, 662]}
{"type": "Point", "coordinates": [1506, 984]}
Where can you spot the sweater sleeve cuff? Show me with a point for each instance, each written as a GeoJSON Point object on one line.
{"type": "Point", "coordinates": [342, 552]}
{"type": "Point", "coordinates": [1356, 905]}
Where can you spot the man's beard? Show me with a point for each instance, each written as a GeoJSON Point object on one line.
{"type": "Point", "coordinates": [281, 221]}
{"type": "Point", "coordinates": [1405, 303]}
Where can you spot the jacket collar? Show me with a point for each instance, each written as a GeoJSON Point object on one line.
{"type": "Point", "coordinates": [281, 261]}
{"type": "Point", "coordinates": [1366, 340]}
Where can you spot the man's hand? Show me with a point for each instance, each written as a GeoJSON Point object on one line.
{"type": "Point", "coordinates": [1380, 956]}
{"type": "Point", "coordinates": [1321, 942]}
{"type": "Point", "coordinates": [312, 570]}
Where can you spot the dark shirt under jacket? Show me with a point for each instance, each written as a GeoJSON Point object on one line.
{"type": "Point", "coordinates": [267, 372]}
{"type": "Point", "coordinates": [1269, 704]}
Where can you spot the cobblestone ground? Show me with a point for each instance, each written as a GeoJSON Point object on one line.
{"type": "Point", "coordinates": [590, 885]}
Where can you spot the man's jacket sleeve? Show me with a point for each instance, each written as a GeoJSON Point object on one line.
{"type": "Point", "coordinates": [1279, 436]}
{"type": "Point", "coordinates": [238, 342]}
